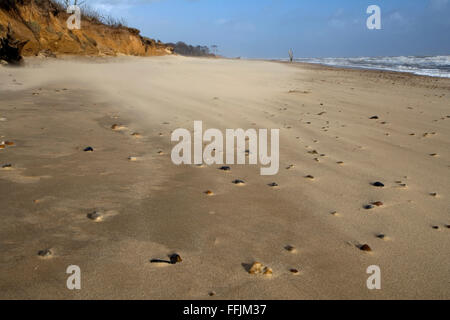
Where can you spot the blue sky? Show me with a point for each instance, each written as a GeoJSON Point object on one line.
{"type": "Point", "coordinates": [313, 28]}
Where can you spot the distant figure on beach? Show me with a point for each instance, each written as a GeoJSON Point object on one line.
{"type": "Point", "coordinates": [291, 55]}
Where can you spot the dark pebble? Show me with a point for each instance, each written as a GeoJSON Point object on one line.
{"type": "Point", "coordinates": [225, 168]}
{"type": "Point", "coordinates": [273, 184]}
{"type": "Point", "coordinates": [88, 149]}
{"type": "Point", "coordinates": [237, 181]}
{"type": "Point", "coordinates": [8, 165]}
{"type": "Point", "coordinates": [45, 253]}
{"type": "Point", "coordinates": [378, 184]}
{"type": "Point", "coordinates": [175, 258]}
{"type": "Point", "coordinates": [374, 117]}
{"type": "Point", "coordinates": [365, 247]}
{"type": "Point", "coordinates": [94, 215]}
{"type": "Point", "coordinates": [368, 207]}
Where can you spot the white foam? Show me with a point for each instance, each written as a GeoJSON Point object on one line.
{"type": "Point", "coordinates": [434, 66]}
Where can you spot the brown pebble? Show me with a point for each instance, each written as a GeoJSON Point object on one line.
{"type": "Point", "coordinates": [365, 247]}
{"type": "Point", "coordinates": [268, 271]}
{"type": "Point", "coordinates": [309, 177]}
{"type": "Point", "coordinates": [209, 193]}
{"type": "Point", "coordinates": [9, 143]}
{"type": "Point", "coordinates": [256, 268]}
{"type": "Point", "coordinates": [293, 271]}
{"type": "Point", "coordinates": [377, 203]}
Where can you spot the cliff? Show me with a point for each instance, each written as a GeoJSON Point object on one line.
{"type": "Point", "coordinates": [42, 25]}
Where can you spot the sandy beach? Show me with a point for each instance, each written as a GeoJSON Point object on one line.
{"type": "Point", "coordinates": [341, 130]}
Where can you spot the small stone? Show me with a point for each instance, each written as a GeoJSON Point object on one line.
{"type": "Point", "coordinates": [160, 153]}
{"type": "Point", "coordinates": [256, 268]}
{"type": "Point", "coordinates": [433, 194]}
{"type": "Point", "coordinates": [290, 248]}
{"type": "Point", "coordinates": [273, 184]}
{"type": "Point", "coordinates": [175, 258]}
{"type": "Point", "coordinates": [239, 182]}
{"type": "Point", "coordinates": [132, 159]}
{"type": "Point", "coordinates": [381, 236]}
{"type": "Point", "coordinates": [447, 226]}
{"type": "Point", "coordinates": [209, 193]}
{"type": "Point", "coordinates": [309, 177]}
{"type": "Point", "coordinates": [340, 162]}
{"type": "Point", "coordinates": [373, 117]}
{"type": "Point", "coordinates": [435, 227]}
{"type": "Point", "coordinates": [365, 247]}
{"type": "Point", "coordinates": [45, 253]}
{"type": "Point", "coordinates": [334, 213]}
{"type": "Point", "coordinates": [377, 203]}
{"type": "Point", "coordinates": [289, 167]}
{"type": "Point", "coordinates": [294, 271]}
{"type": "Point", "coordinates": [268, 271]}
{"type": "Point", "coordinates": [88, 149]}
{"type": "Point", "coordinates": [378, 184]}
{"type": "Point", "coordinates": [2, 146]}
{"type": "Point", "coordinates": [211, 294]}
{"type": "Point", "coordinates": [368, 207]}
{"type": "Point", "coordinates": [225, 168]}
{"type": "Point", "coordinates": [9, 143]}
{"type": "Point", "coordinates": [115, 126]}
{"type": "Point", "coordinates": [8, 165]}
{"type": "Point", "coordinates": [95, 216]}
{"type": "Point", "coordinates": [433, 154]}
{"type": "Point", "coordinates": [136, 134]}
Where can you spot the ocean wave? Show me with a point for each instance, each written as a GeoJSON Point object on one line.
{"type": "Point", "coordinates": [434, 66]}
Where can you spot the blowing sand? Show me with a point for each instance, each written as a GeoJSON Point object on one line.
{"type": "Point", "coordinates": [317, 225]}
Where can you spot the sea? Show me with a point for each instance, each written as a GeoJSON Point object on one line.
{"type": "Point", "coordinates": [433, 66]}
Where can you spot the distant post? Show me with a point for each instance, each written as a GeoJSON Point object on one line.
{"type": "Point", "coordinates": [291, 55]}
{"type": "Point", "coordinates": [214, 49]}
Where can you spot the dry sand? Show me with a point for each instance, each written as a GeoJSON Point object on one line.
{"type": "Point", "coordinates": [151, 208]}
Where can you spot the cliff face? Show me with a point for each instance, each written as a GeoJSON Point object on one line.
{"type": "Point", "coordinates": [43, 24]}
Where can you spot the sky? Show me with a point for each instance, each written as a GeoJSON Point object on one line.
{"type": "Point", "coordinates": [312, 28]}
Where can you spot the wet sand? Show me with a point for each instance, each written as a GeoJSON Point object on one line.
{"type": "Point", "coordinates": [113, 209]}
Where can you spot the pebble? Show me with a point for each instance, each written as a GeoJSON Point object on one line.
{"type": "Point", "coordinates": [225, 168]}
{"type": "Point", "coordinates": [377, 203]}
{"type": "Point", "coordinates": [258, 267]}
{"type": "Point", "coordinates": [175, 258]}
{"type": "Point", "coordinates": [239, 182]}
{"type": "Point", "coordinates": [88, 149]}
{"type": "Point", "coordinates": [273, 184]}
{"type": "Point", "coordinates": [9, 143]}
{"type": "Point", "coordinates": [95, 216]}
{"type": "Point", "coordinates": [381, 236]}
{"type": "Point", "coordinates": [45, 253]}
{"type": "Point", "coordinates": [289, 167]}
{"type": "Point", "coordinates": [433, 194]}
{"type": "Point", "coordinates": [309, 177]}
{"type": "Point", "coordinates": [368, 207]}
{"type": "Point", "coordinates": [209, 193]}
{"type": "Point", "coordinates": [378, 184]}
{"type": "Point", "coordinates": [294, 271]}
{"type": "Point", "coordinates": [373, 117]}
{"type": "Point", "coordinates": [435, 227]}
{"type": "Point", "coordinates": [132, 159]}
{"type": "Point", "coordinates": [365, 247]}
{"type": "Point", "coordinates": [290, 248]}
{"type": "Point", "coordinates": [8, 165]}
